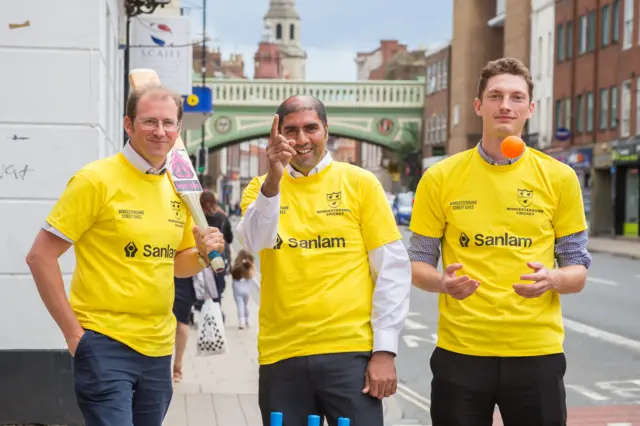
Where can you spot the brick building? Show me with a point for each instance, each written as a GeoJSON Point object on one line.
{"type": "Point", "coordinates": [483, 30]}
{"type": "Point", "coordinates": [435, 128]}
{"type": "Point", "coordinates": [597, 107]}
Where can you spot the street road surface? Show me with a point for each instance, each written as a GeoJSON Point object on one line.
{"type": "Point", "coordinates": [602, 346]}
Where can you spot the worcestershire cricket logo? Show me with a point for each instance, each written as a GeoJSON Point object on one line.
{"type": "Point", "coordinates": [464, 240]}
{"type": "Point", "coordinates": [334, 199]}
{"type": "Point", "coordinates": [130, 249]}
{"type": "Point", "coordinates": [175, 206]}
{"type": "Point", "coordinates": [278, 243]}
{"type": "Point", "coordinates": [525, 197]}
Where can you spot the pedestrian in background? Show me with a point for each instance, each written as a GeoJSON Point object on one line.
{"type": "Point", "coordinates": [502, 224]}
{"type": "Point", "coordinates": [131, 234]}
{"type": "Point", "coordinates": [335, 276]}
{"type": "Point", "coordinates": [243, 274]}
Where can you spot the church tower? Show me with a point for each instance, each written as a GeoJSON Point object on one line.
{"type": "Point", "coordinates": [267, 60]}
{"type": "Point", "coordinates": [284, 21]}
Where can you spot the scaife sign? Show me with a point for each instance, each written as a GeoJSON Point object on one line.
{"type": "Point", "coordinates": [164, 45]}
{"type": "Point", "coordinates": [626, 152]}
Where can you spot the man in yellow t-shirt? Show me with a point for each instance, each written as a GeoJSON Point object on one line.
{"type": "Point", "coordinates": [335, 277]}
{"type": "Point", "coordinates": [129, 230]}
{"type": "Point", "coordinates": [502, 223]}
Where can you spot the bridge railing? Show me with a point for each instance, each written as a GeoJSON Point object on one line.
{"type": "Point", "coordinates": [361, 94]}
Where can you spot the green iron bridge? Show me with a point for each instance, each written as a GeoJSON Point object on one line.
{"type": "Point", "coordinates": [384, 113]}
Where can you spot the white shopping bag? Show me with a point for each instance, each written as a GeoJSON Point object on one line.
{"type": "Point", "coordinates": [212, 339]}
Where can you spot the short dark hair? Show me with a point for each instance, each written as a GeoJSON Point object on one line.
{"type": "Point", "coordinates": [501, 66]}
{"type": "Point", "coordinates": [311, 103]}
{"type": "Point", "coordinates": [137, 94]}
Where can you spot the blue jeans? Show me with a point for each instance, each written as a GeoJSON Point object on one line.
{"type": "Point", "coordinates": [117, 386]}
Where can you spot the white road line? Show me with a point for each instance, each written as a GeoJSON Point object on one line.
{"type": "Point", "coordinates": [620, 424]}
{"type": "Point", "coordinates": [412, 400]}
{"type": "Point", "coordinates": [601, 334]}
{"type": "Point", "coordinates": [413, 325]}
{"type": "Point", "coordinates": [587, 392]}
{"type": "Point", "coordinates": [601, 281]}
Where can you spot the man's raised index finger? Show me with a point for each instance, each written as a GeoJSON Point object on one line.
{"type": "Point", "coordinates": [274, 127]}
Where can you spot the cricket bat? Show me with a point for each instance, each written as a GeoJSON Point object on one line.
{"type": "Point", "coordinates": [182, 173]}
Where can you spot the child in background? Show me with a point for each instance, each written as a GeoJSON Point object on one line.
{"type": "Point", "coordinates": [243, 274]}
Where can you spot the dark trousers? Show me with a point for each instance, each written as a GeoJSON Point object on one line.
{"type": "Point", "coordinates": [529, 391]}
{"type": "Point", "coordinates": [117, 386]}
{"type": "Point", "coordinates": [326, 385]}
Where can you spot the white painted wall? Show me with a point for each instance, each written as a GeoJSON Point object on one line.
{"type": "Point", "coordinates": [542, 60]}
{"type": "Point", "coordinates": [61, 84]}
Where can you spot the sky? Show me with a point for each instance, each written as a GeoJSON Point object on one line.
{"type": "Point", "coordinates": [332, 31]}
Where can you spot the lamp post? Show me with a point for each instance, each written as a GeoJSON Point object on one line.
{"type": "Point", "coordinates": [132, 9]}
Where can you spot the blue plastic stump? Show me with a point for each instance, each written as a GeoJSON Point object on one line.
{"type": "Point", "coordinates": [313, 420]}
{"type": "Point", "coordinates": [276, 419]}
{"type": "Point", "coordinates": [343, 421]}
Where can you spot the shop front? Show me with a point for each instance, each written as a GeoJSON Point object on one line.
{"type": "Point", "coordinates": [626, 167]}
{"type": "Point", "coordinates": [602, 191]}
{"type": "Point", "coordinates": [581, 160]}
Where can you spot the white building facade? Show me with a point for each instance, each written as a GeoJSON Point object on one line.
{"type": "Point", "coordinates": [542, 61]}
{"type": "Point", "coordinates": [62, 84]}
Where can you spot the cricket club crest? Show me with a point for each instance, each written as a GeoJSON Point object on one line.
{"type": "Point", "coordinates": [334, 199]}
{"type": "Point", "coordinates": [175, 206]}
{"type": "Point", "coordinates": [525, 197]}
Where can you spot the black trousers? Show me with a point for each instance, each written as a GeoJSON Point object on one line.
{"type": "Point", "coordinates": [529, 391]}
{"type": "Point", "coordinates": [326, 385]}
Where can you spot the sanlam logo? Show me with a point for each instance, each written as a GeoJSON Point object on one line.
{"type": "Point", "coordinates": [504, 240]}
{"type": "Point", "coordinates": [319, 242]}
{"type": "Point", "coordinates": [166, 252]}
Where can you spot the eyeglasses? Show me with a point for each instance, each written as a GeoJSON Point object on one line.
{"type": "Point", "coordinates": [152, 124]}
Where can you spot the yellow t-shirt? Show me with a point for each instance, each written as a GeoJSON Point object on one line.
{"type": "Point", "coordinates": [127, 227]}
{"type": "Point", "coordinates": [493, 220]}
{"type": "Point", "coordinates": [316, 291]}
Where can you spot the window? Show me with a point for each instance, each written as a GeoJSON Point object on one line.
{"type": "Point", "coordinates": [443, 128]}
{"type": "Point", "coordinates": [604, 109]}
{"type": "Point", "coordinates": [569, 44]}
{"type": "Point", "coordinates": [625, 116]}
{"type": "Point", "coordinates": [539, 55]}
{"type": "Point", "coordinates": [558, 114]}
{"type": "Point", "coordinates": [548, 58]}
{"type": "Point", "coordinates": [627, 33]}
{"type": "Point", "coordinates": [615, 27]}
{"type": "Point", "coordinates": [591, 32]}
{"type": "Point", "coordinates": [560, 41]}
{"type": "Point", "coordinates": [279, 32]}
{"type": "Point", "coordinates": [445, 73]}
{"type": "Point", "coordinates": [579, 115]}
{"type": "Point", "coordinates": [582, 36]}
{"type": "Point", "coordinates": [567, 113]}
{"type": "Point", "coordinates": [606, 25]}
{"type": "Point", "coordinates": [614, 107]}
{"type": "Point", "coordinates": [638, 106]}
{"type": "Point", "coordinates": [589, 112]}
{"type": "Point", "coordinates": [292, 32]}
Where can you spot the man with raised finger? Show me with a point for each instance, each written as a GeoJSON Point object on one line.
{"type": "Point", "coordinates": [502, 224]}
{"type": "Point", "coordinates": [335, 277]}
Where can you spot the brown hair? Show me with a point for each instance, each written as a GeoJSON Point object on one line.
{"type": "Point", "coordinates": [242, 266]}
{"type": "Point", "coordinates": [208, 202]}
{"type": "Point", "coordinates": [501, 66]}
{"type": "Point", "coordinates": [137, 94]}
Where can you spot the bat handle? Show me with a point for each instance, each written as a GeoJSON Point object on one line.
{"type": "Point", "coordinates": [217, 262]}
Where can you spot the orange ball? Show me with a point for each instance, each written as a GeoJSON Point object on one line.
{"type": "Point", "coordinates": [512, 147]}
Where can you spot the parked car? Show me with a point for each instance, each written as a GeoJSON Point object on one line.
{"type": "Point", "coordinates": [402, 208]}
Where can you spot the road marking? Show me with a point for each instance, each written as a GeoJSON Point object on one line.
{"type": "Point", "coordinates": [587, 392]}
{"type": "Point", "coordinates": [414, 397]}
{"type": "Point", "coordinates": [413, 341]}
{"type": "Point", "coordinates": [620, 424]}
{"type": "Point", "coordinates": [413, 325]}
{"type": "Point", "coordinates": [413, 314]}
{"type": "Point", "coordinates": [601, 334]}
{"type": "Point", "coordinates": [601, 281]}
